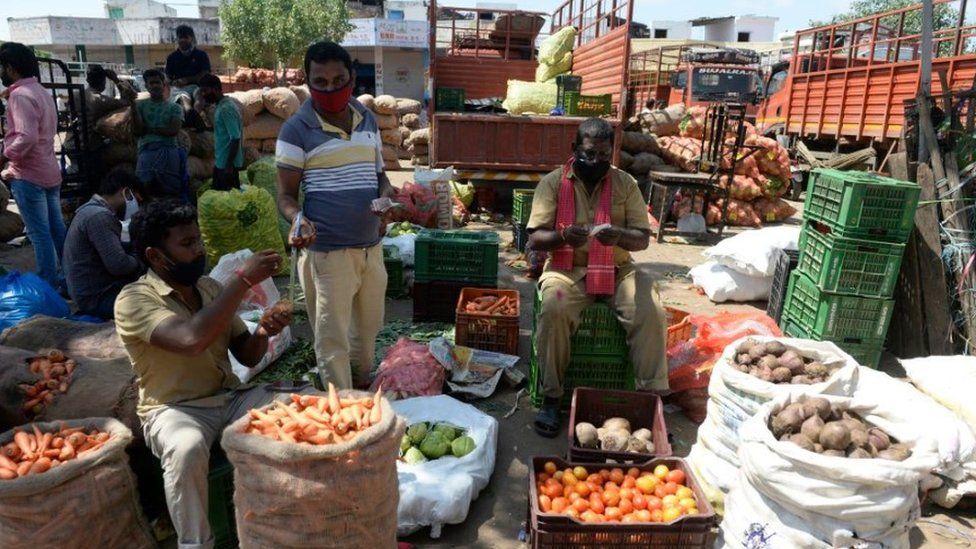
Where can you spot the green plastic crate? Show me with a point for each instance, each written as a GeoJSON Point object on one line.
{"type": "Point", "coordinates": [522, 205]}
{"type": "Point", "coordinates": [599, 333]}
{"type": "Point", "coordinates": [601, 372]}
{"type": "Point", "coordinates": [220, 504]}
{"type": "Point", "coordinates": [862, 205]}
{"type": "Point", "coordinates": [866, 353]}
{"type": "Point", "coordinates": [577, 104]}
{"type": "Point", "coordinates": [449, 100]}
{"type": "Point", "coordinates": [394, 271]}
{"type": "Point", "coordinates": [848, 265]}
{"type": "Point", "coordinates": [835, 317]}
{"type": "Point", "coordinates": [456, 255]}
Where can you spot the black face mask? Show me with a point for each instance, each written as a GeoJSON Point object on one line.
{"type": "Point", "coordinates": [590, 171]}
{"type": "Point", "coordinates": [187, 274]}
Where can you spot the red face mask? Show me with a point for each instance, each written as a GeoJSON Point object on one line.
{"type": "Point", "coordinates": [332, 101]}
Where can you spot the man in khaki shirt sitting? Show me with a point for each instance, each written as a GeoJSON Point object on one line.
{"type": "Point", "coordinates": [177, 327]}
{"type": "Point", "coordinates": [590, 216]}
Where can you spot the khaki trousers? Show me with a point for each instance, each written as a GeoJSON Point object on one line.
{"type": "Point", "coordinates": [638, 307]}
{"type": "Point", "coordinates": [345, 295]}
{"type": "Point", "coordinates": [181, 437]}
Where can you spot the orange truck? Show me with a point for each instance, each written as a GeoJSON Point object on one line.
{"type": "Point", "coordinates": [694, 74]}
{"type": "Point", "coordinates": [479, 51]}
{"type": "Point", "coordinates": [845, 86]}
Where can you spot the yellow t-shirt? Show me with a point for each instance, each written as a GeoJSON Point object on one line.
{"type": "Point", "coordinates": [166, 377]}
{"type": "Point", "coordinates": [627, 210]}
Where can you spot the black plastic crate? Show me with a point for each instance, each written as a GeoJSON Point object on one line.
{"type": "Point", "coordinates": [437, 301]}
{"type": "Point", "coordinates": [786, 261]}
{"type": "Point", "coordinates": [520, 236]}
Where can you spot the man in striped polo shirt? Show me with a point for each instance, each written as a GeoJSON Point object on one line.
{"type": "Point", "coordinates": [331, 149]}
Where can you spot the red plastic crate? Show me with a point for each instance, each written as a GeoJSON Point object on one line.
{"type": "Point", "coordinates": [498, 333]}
{"type": "Point", "coordinates": [642, 409]}
{"type": "Point", "coordinates": [556, 531]}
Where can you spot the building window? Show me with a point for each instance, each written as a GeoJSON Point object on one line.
{"type": "Point", "coordinates": [116, 13]}
{"type": "Point", "coordinates": [744, 36]}
{"type": "Point", "coordinates": [396, 14]}
{"type": "Point", "coordinates": [660, 33]}
{"type": "Point", "coordinates": [486, 16]}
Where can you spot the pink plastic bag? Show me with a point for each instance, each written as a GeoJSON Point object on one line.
{"type": "Point", "coordinates": [409, 370]}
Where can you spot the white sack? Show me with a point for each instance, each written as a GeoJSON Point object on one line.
{"type": "Point", "coordinates": [722, 283]}
{"type": "Point", "coordinates": [440, 492]}
{"type": "Point", "coordinates": [753, 252]}
{"type": "Point", "coordinates": [405, 243]}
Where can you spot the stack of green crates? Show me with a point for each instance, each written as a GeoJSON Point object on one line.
{"type": "Point", "coordinates": [447, 261]}
{"type": "Point", "coordinates": [394, 272]}
{"type": "Point", "coordinates": [521, 208]}
{"type": "Point", "coordinates": [599, 354]}
{"type": "Point", "coordinates": [854, 234]}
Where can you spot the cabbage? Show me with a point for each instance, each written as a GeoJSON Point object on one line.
{"type": "Point", "coordinates": [435, 445]}
{"type": "Point", "coordinates": [413, 456]}
{"type": "Point", "coordinates": [449, 431]}
{"type": "Point", "coordinates": [417, 432]}
{"type": "Point", "coordinates": [462, 446]}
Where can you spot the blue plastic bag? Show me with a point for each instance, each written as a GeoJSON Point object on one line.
{"type": "Point", "coordinates": [23, 295]}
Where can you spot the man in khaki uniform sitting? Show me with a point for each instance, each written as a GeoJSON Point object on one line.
{"type": "Point", "coordinates": [177, 327]}
{"type": "Point", "coordinates": [590, 216]}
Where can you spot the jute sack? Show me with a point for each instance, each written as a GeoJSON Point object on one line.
{"type": "Point", "coordinates": [663, 122]}
{"type": "Point", "coordinates": [390, 153]}
{"type": "Point", "coordinates": [420, 137]}
{"type": "Point", "coordinates": [12, 226]}
{"type": "Point", "coordinates": [87, 502]}
{"type": "Point", "coordinates": [385, 104]}
{"type": "Point", "coordinates": [408, 106]}
{"type": "Point", "coordinates": [367, 101]}
{"type": "Point", "coordinates": [200, 168]}
{"type": "Point", "coordinates": [98, 388]}
{"type": "Point", "coordinates": [268, 146]}
{"type": "Point", "coordinates": [411, 121]}
{"type": "Point", "coordinates": [338, 495]}
{"type": "Point", "coordinates": [202, 144]}
{"type": "Point", "coordinates": [75, 339]}
{"type": "Point", "coordinates": [117, 126]}
{"type": "Point", "coordinates": [246, 116]}
{"type": "Point", "coordinates": [387, 121]}
{"type": "Point", "coordinates": [265, 126]}
{"type": "Point", "coordinates": [4, 197]}
{"type": "Point", "coordinates": [392, 137]}
{"type": "Point", "coordinates": [281, 102]}
{"type": "Point", "coordinates": [301, 92]}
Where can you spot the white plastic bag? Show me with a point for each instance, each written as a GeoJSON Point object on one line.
{"type": "Point", "coordinates": [405, 243]}
{"type": "Point", "coordinates": [259, 297]}
{"type": "Point", "coordinates": [754, 252]}
{"type": "Point", "coordinates": [255, 301]}
{"type": "Point", "coordinates": [803, 499]}
{"type": "Point", "coordinates": [723, 283]}
{"type": "Point", "coordinates": [947, 379]}
{"type": "Point", "coordinates": [440, 492]}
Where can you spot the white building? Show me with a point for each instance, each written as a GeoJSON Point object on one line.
{"type": "Point", "coordinates": [409, 10]}
{"type": "Point", "coordinates": [137, 9]}
{"type": "Point", "coordinates": [671, 30]}
{"type": "Point", "coordinates": [392, 55]}
{"type": "Point", "coordinates": [740, 29]}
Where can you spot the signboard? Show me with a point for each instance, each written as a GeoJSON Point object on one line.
{"type": "Point", "coordinates": [387, 33]}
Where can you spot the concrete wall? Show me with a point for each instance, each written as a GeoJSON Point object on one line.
{"type": "Point", "coordinates": [413, 10]}
{"type": "Point", "coordinates": [403, 73]}
{"type": "Point", "coordinates": [140, 9]}
{"type": "Point", "coordinates": [677, 30]}
{"type": "Point", "coordinates": [722, 31]}
{"type": "Point", "coordinates": [760, 28]}
{"type": "Point", "coordinates": [96, 31]}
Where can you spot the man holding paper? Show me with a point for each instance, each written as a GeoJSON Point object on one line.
{"type": "Point", "coordinates": [590, 216]}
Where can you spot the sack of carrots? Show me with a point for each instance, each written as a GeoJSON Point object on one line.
{"type": "Point", "coordinates": [40, 387]}
{"type": "Point", "coordinates": [68, 484]}
{"type": "Point", "coordinates": [319, 466]}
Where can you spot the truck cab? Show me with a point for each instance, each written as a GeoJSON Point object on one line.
{"type": "Point", "coordinates": [771, 113]}
{"type": "Point", "coordinates": [697, 84]}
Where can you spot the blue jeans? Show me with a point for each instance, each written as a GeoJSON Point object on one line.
{"type": "Point", "coordinates": [40, 208]}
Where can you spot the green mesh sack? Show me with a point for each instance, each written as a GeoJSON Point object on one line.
{"type": "Point", "coordinates": [263, 173]}
{"type": "Point", "coordinates": [552, 49]}
{"type": "Point", "coordinates": [530, 97]}
{"type": "Point", "coordinates": [237, 219]}
{"type": "Point", "coordinates": [546, 72]}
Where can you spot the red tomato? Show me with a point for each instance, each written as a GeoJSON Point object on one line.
{"type": "Point", "coordinates": [671, 488]}
{"type": "Point", "coordinates": [661, 471]}
{"type": "Point", "coordinates": [654, 503]}
{"type": "Point", "coordinates": [626, 507]}
{"type": "Point", "coordinates": [657, 515]}
{"type": "Point", "coordinates": [581, 505]}
{"type": "Point", "coordinates": [613, 514]}
{"type": "Point", "coordinates": [611, 498]}
{"type": "Point", "coordinates": [559, 505]}
{"type": "Point", "coordinates": [596, 503]}
{"type": "Point", "coordinates": [629, 482]}
{"type": "Point", "coordinates": [610, 485]}
{"type": "Point", "coordinates": [549, 467]}
{"type": "Point", "coordinates": [643, 515]}
{"type": "Point", "coordinates": [582, 488]}
{"type": "Point", "coordinates": [659, 490]}
{"type": "Point", "coordinates": [605, 473]}
{"type": "Point", "coordinates": [545, 504]}
{"type": "Point", "coordinates": [591, 516]}
{"type": "Point", "coordinates": [676, 476]}
{"type": "Point", "coordinates": [639, 501]}
{"type": "Point", "coordinates": [633, 472]}
{"type": "Point", "coordinates": [617, 475]}
{"type": "Point", "coordinates": [627, 493]}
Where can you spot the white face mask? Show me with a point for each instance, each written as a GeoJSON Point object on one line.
{"type": "Point", "coordinates": [131, 204]}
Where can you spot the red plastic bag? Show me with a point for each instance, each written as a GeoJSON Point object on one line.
{"type": "Point", "coordinates": [419, 205]}
{"type": "Point", "coordinates": [717, 331]}
{"type": "Point", "coordinates": [409, 370]}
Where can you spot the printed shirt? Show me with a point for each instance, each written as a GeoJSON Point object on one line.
{"type": "Point", "coordinates": [166, 377]}
{"type": "Point", "coordinates": [228, 126]}
{"type": "Point", "coordinates": [155, 115]}
{"type": "Point", "coordinates": [339, 175]}
{"type": "Point", "coordinates": [32, 121]}
{"type": "Point", "coordinates": [627, 210]}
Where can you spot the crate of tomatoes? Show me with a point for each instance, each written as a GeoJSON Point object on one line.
{"type": "Point", "coordinates": [488, 319]}
{"type": "Point", "coordinates": [657, 504]}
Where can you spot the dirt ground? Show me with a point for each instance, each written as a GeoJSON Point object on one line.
{"type": "Point", "coordinates": [497, 517]}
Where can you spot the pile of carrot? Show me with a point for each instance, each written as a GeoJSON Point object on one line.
{"type": "Point", "coordinates": [492, 305]}
{"type": "Point", "coordinates": [317, 420]}
{"type": "Point", "coordinates": [32, 452]}
{"type": "Point", "coordinates": [55, 370]}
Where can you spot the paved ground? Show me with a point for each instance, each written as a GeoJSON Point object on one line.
{"type": "Point", "coordinates": [498, 515]}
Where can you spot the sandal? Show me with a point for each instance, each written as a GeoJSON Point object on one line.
{"type": "Point", "coordinates": [547, 421]}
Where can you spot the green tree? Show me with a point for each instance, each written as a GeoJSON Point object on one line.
{"type": "Point", "coordinates": [275, 33]}
{"type": "Point", "coordinates": [945, 15]}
